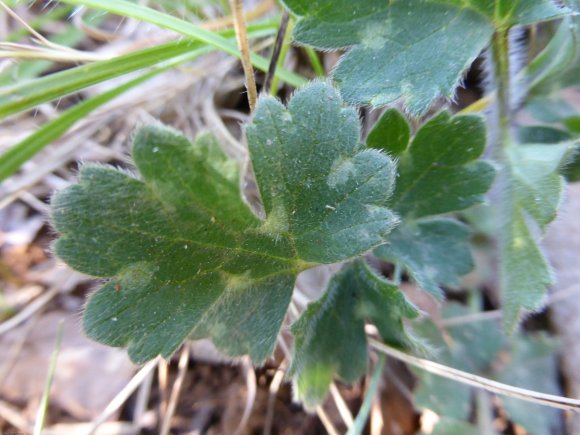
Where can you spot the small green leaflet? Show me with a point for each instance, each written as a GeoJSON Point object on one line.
{"type": "Point", "coordinates": [183, 252]}
{"type": "Point", "coordinates": [411, 49]}
{"type": "Point", "coordinates": [329, 338]}
{"type": "Point", "coordinates": [434, 251]}
{"type": "Point", "coordinates": [438, 173]}
{"type": "Point", "coordinates": [534, 189]}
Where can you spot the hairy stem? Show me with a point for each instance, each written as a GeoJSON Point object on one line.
{"type": "Point", "coordinates": [502, 79]}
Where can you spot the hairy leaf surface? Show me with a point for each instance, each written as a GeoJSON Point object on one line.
{"type": "Point", "coordinates": [434, 251]}
{"type": "Point", "coordinates": [412, 49]}
{"type": "Point", "coordinates": [438, 173]}
{"type": "Point", "coordinates": [185, 254]}
{"type": "Point", "coordinates": [534, 189]}
{"type": "Point", "coordinates": [330, 338]}
{"type": "Point", "coordinates": [405, 48]}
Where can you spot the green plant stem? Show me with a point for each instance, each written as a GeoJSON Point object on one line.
{"type": "Point", "coordinates": [315, 62]}
{"type": "Point", "coordinates": [484, 412]}
{"type": "Point", "coordinates": [397, 274]}
{"type": "Point", "coordinates": [500, 51]}
{"type": "Point", "coordinates": [361, 419]}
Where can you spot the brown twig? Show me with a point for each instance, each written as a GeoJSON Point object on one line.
{"type": "Point", "coordinates": [243, 44]}
{"type": "Point", "coordinates": [225, 22]}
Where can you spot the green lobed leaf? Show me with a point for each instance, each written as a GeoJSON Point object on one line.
{"type": "Point", "coordinates": [438, 173]}
{"type": "Point", "coordinates": [417, 50]}
{"type": "Point", "coordinates": [412, 49]}
{"type": "Point", "coordinates": [546, 71]}
{"type": "Point", "coordinates": [434, 251]}
{"type": "Point", "coordinates": [184, 253]}
{"type": "Point", "coordinates": [538, 184]}
{"type": "Point", "coordinates": [534, 189]}
{"type": "Point", "coordinates": [542, 134]}
{"type": "Point", "coordinates": [329, 338]}
{"type": "Point", "coordinates": [317, 181]}
{"type": "Point", "coordinates": [391, 132]}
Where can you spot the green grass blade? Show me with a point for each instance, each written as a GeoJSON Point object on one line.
{"type": "Point", "coordinates": [41, 414]}
{"type": "Point", "coordinates": [29, 69]}
{"type": "Point", "coordinates": [27, 94]}
{"type": "Point", "coordinates": [143, 13]}
{"type": "Point", "coordinates": [361, 419]}
{"type": "Point", "coordinates": [16, 156]}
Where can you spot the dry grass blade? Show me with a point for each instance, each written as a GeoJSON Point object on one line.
{"type": "Point", "coordinates": [30, 309]}
{"type": "Point", "coordinates": [225, 22]}
{"type": "Point", "coordinates": [14, 417]}
{"type": "Point", "coordinates": [326, 422]}
{"type": "Point", "coordinates": [478, 381]}
{"type": "Point", "coordinates": [24, 24]}
{"type": "Point", "coordinates": [124, 394]}
{"type": "Point", "coordinates": [142, 400]}
{"type": "Point", "coordinates": [243, 44]}
{"type": "Point", "coordinates": [182, 370]}
{"type": "Point", "coordinates": [341, 405]}
{"type": "Point", "coordinates": [251, 386]}
{"type": "Point", "coordinates": [22, 51]}
{"type": "Point", "coordinates": [272, 392]}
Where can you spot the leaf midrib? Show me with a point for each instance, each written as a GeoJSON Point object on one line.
{"type": "Point", "coordinates": [132, 230]}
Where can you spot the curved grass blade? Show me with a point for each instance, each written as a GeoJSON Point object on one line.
{"type": "Point", "coordinates": [16, 156]}
{"type": "Point", "coordinates": [144, 13]}
{"type": "Point", "coordinates": [27, 94]}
